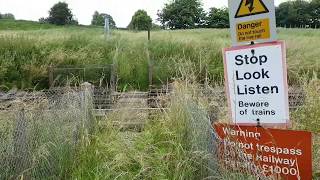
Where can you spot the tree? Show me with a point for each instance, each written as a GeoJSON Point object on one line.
{"type": "Point", "coordinates": [98, 19]}
{"type": "Point", "coordinates": [60, 14]}
{"type": "Point", "coordinates": [293, 13]}
{"type": "Point", "coordinates": [218, 18]}
{"type": "Point", "coordinates": [43, 20]}
{"type": "Point", "coordinates": [140, 21]}
{"type": "Point", "coordinates": [301, 10]}
{"type": "Point", "coordinates": [182, 14]}
{"type": "Point", "coordinates": [315, 13]}
{"type": "Point", "coordinates": [7, 16]}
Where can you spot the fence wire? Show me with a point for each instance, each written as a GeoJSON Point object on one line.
{"type": "Point", "coordinates": [40, 134]}
{"type": "Point", "coordinates": [40, 131]}
{"type": "Point", "coordinates": [201, 136]}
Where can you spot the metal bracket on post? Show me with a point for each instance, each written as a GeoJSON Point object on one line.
{"type": "Point", "coordinates": [258, 123]}
{"type": "Point", "coordinates": [258, 120]}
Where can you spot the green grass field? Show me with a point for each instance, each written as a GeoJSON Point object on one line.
{"type": "Point", "coordinates": [23, 25]}
{"type": "Point", "coordinates": [173, 144]}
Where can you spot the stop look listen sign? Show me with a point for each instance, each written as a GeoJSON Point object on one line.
{"type": "Point", "coordinates": [256, 84]}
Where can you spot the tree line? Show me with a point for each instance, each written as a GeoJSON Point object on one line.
{"type": "Point", "coordinates": [299, 13]}
{"type": "Point", "coordinates": [186, 14]}
{"type": "Point", "coordinates": [189, 14]}
{"type": "Point", "coordinates": [7, 16]}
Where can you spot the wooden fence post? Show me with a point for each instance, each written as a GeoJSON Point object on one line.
{"type": "Point", "coordinates": [150, 70]}
{"type": "Point", "coordinates": [206, 77]}
{"type": "Point", "coordinates": [50, 74]}
{"type": "Point", "coordinates": [113, 78]}
{"type": "Point", "coordinates": [87, 105]}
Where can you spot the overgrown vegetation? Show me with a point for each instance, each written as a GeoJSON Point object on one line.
{"type": "Point", "coordinates": [174, 144]}
{"type": "Point", "coordinates": [308, 118]}
{"type": "Point", "coordinates": [26, 55]}
{"type": "Point", "coordinates": [39, 139]}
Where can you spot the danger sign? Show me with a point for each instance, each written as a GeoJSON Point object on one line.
{"type": "Point", "coordinates": [252, 21]}
{"type": "Point", "coordinates": [256, 84]}
{"type": "Point", "coordinates": [251, 7]}
{"type": "Point", "coordinates": [265, 152]}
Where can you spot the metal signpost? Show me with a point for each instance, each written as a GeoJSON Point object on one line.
{"type": "Point", "coordinates": [106, 26]}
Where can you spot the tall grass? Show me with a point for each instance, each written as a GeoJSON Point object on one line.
{"type": "Point", "coordinates": [26, 55]}
{"type": "Point", "coordinates": [174, 144]}
{"type": "Point", "coordinates": [39, 140]}
{"type": "Point", "coordinates": [307, 118]}
{"type": "Point", "coordinates": [23, 25]}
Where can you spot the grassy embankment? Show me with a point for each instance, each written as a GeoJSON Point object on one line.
{"type": "Point", "coordinates": [26, 55]}
{"type": "Point", "coordinates": [172, 144]}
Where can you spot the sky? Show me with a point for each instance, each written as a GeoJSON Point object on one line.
{"type": "Point", "coordinates": [120, 10]}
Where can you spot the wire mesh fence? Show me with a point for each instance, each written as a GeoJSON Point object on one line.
{"type": "Point", "coordinates": [40, 131]}
{"type": "Point", "coordinates": [104, 76]}
{"type": "Point", "coordinates": [40, 135]}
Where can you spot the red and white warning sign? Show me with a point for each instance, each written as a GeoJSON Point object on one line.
{"type": "Point", "coordinates": [256, 84]}
{"type": "Point", "coordinates": [265, 152]}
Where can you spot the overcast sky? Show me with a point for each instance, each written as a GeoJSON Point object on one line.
{"type": "Point", "coordinates": [120, 10]}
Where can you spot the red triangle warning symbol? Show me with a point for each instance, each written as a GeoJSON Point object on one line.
{"type": "Point", "coordinates": [251, 7]}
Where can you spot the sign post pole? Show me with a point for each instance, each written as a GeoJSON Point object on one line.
{"type": "Point", "coordinates": [106, 26]}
